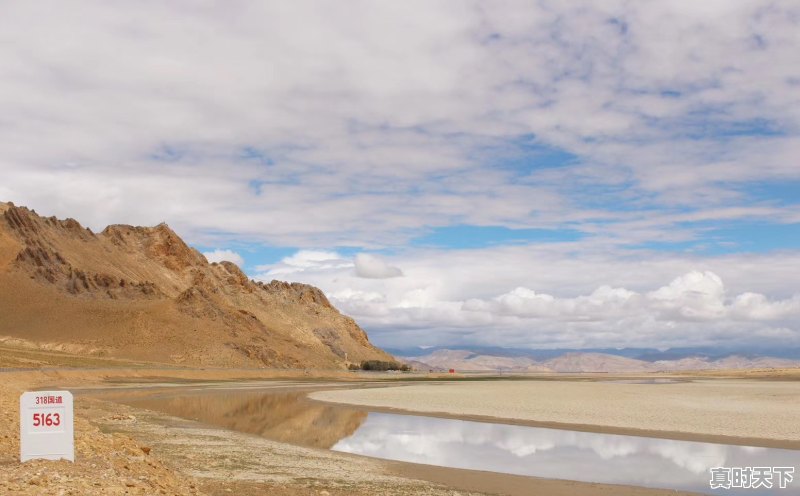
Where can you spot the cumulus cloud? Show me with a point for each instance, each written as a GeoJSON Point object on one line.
{"type": "Point", "coordinates": [544, 297]}
{"type": "Point", "coordinates": [224, 256]}
{"type": "Point", "coordinates": [754, 306]}
{"type": "Point", "coordinates": [604, 302]}
{"type": "Point", "coordinates": [372, 267]}
{"type": "Point", "coordinates": [694, 296]}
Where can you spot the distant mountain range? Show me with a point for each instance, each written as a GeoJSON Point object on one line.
{"type": "Point", "coordinates": [624, 360]}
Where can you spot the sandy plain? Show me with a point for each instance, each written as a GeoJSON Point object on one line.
{"type": "Point", "coordinates": [735, 411]}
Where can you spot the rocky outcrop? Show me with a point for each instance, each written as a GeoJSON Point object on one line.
{"type": "Point", "coordinates": [157, 243]}
{"type": "Point", "coordinates": [301, 293]}
{"type": "Point", "coordinates": [43, 261]}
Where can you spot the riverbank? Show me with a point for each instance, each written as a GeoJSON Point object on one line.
{"type": "Point", "coordinates": [125, 450]}
{"type": "Point", "coordinates": [105, 463]}
{"type": "Point", "coordinates": [733, 411]}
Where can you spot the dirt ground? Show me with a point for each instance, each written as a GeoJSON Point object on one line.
{"type": "Point", "coordinates": [106, 464]}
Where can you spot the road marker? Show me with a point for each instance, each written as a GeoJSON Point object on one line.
{"type": "Point", "coordinates": [46, 426]}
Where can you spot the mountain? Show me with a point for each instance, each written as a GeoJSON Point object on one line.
{"type": "Point", "coordinates": [644, 354]}
{"type": "Point", "coordinates": [576, 361]}
{"type": "Point", "coordinates": [141, 293]}
{"type": "Point", "coordinates": [595, 362]}
{"type": "Point", "coordinates": [467, 360]}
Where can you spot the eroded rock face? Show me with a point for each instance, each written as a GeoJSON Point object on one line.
{"type": "Point", "coordinates": [145, 293]}
{"type": "Point", "coordinates": [42, 258]}
{"type": "Point", "coordinates": [302, 293]}
{"type": "Point", "coordinates": [158, 243]}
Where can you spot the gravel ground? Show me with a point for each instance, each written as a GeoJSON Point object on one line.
{"type": "Point", "coordinates": [104, 463]}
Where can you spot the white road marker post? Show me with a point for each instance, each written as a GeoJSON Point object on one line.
{"type": "Point", "coordinates": [46, 427]}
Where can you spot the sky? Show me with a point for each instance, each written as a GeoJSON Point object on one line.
{"type": "Point", "coordinates": [536, 174]}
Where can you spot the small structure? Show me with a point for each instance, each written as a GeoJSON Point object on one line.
{"type": "Point", "coordinates": [46, 426]}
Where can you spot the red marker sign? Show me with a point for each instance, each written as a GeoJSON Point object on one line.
{"type": "Point", "coordinates": [46, 426]}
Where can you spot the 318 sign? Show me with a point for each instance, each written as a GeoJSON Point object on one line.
{"type": "Point", "coordinates": [46, 425]}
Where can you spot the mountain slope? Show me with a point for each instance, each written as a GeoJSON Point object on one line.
{"type": "Point", "coordinates": [142, 293]}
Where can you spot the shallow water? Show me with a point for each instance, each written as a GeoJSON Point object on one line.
{"type": "Point", "coordinates": [285, 416]}
{"type": "Point", "coordinates": [558, 454]}
{"type": "Point", "coordinates": [512, 449]}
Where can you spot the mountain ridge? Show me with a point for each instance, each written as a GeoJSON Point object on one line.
{"type": "Point", "coordinates": [143, 293]}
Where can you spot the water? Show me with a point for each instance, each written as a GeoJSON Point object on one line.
{"type": "Point", "coordinates": [558, 454]}
{"type": "Point", "coordinates": [511, 449]}
{"type": "Point", "coordinates": [288, 417]}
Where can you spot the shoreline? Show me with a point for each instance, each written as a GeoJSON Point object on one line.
{"type": "Point", "coordinates": [473, 481]}
{"type": "Point", "coordinates": [194, 458]}
{"type": "Point", "coordinates": [519, 485]}
{"type": "Point", "coordinates": [313, 386]}
{"type": "Point", "coordinates": [310, 388]}
{"type": "Point", "coordinates": [589, 428]}
{"type": "Point", "coordinates": [413, 478]}
{"type": "Point", "coordinates": [434, 400]}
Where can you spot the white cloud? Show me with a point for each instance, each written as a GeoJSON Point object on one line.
{"type": "Point", "coordinates": [694, 296]}
{"type": "Point", "coordinates": [392, 118]}
{"type": "Point", "coordinates": [298, 124]}
{"type": "Point", "coordinates": [224, 256]}
{"type": "Point", "coordinates": [372, 267]}
{"type": "Point", "coordinates": [304, 260]}
{"type": "Point", "coordinates": [540, 296]}
{"type": "Point", "coordinates": [754, 306]}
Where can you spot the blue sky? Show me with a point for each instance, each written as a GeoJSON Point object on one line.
{"type": "Point", "coordinates": [532, 174]}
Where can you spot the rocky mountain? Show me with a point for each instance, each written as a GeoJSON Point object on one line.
{"type": "Point", "coordinates": [142, 293]}
{"type": "Point", "coordinates": [574, 361]}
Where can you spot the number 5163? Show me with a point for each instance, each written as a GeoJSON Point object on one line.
{"type": "Point", "coordinates": [46, 419]}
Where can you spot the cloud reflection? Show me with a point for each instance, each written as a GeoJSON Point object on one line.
{"type": "Point", "coordinates": [552, 453]}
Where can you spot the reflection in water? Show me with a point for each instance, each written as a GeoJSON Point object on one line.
{"type": "Point", "coordinates": [286, 417]}
{"type": "Point", "coordinates": [551, 453]}
{"type": "Point", "coordinates": [554, 453]}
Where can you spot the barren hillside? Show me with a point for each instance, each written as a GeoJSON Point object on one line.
{"type": "Point", "coordinates": [142, 293]}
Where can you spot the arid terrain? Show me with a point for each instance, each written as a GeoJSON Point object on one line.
{"type": "Point", "coordinates": [123, 449]}
{"type": "Point", "coordinates": [141, 293]}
